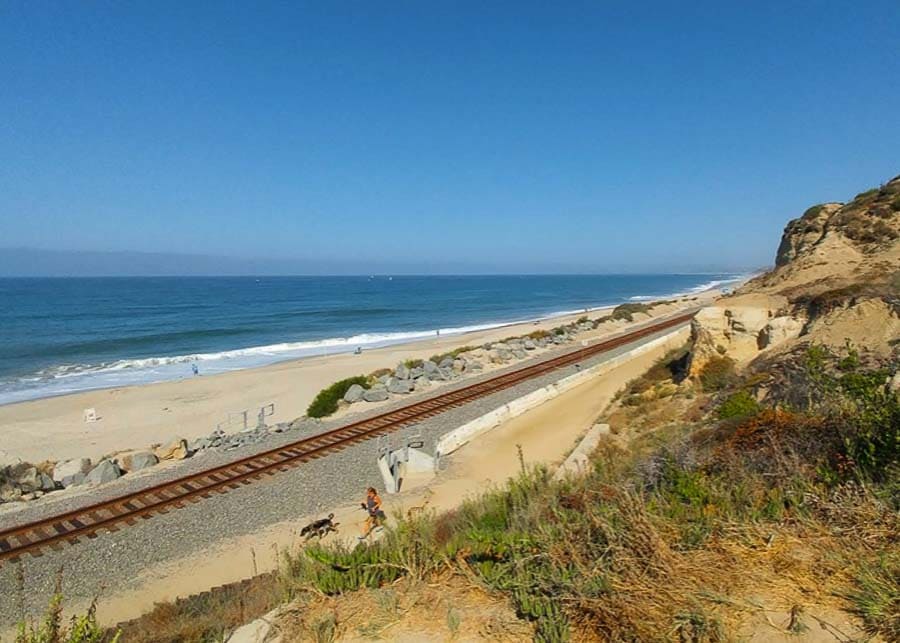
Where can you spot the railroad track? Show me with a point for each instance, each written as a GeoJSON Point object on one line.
{"type": "Point", "coordinates": [111, 515]}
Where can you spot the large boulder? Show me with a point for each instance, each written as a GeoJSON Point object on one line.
{"type": "Point", "coordinates": [29, 480]}
{"type": "Point", "coordinates": [399, 387]}
{"type": "Point", "coordinates": [401, 372]}
{"type": "Point", "coordinates": [376, 394]}
{"type": "Point", "coordinates": [421, 383]}
{"type": "Point", "coordinates": [354, 394]}
{"type": "Point", "coordinates": [429, 367]}
{"type": "Point", "coordinates": [70, 469]}
{"type": "Point", "coordinates": [447, 362]}
{"type": "Point", "coordinates": [135, 461]}
{"type": "Point", "coordinates": [500, 355]}
{"type": "Point", "coordinates": [74, 480]}
{"type": "Point", "coordinates": [47, 483]}
{"type": "Point", "coordinates": [459, 365]}
{"type": "Point", "coordinates": [529, 345]}
{"type": "Point", "coordinates": [105, 471]}
{"type": "Point", "coordinates": [177, 449]}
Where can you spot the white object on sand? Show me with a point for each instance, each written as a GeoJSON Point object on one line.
{"type": "Point", "coordinates": [90, 415]}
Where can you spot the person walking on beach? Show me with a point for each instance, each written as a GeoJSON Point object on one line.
{"type": "Point", "coordinates": [194, 368]}
{"type": "Point", "coordinates": [372, 505]}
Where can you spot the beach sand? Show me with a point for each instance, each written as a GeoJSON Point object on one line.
{"type": "Point", "coordinates": [139, 416]}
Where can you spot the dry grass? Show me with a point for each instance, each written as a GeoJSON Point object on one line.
{"type": "Point", "coordinates": [205, 617]}
{"type": "Point", "coordinates": [448, 607]}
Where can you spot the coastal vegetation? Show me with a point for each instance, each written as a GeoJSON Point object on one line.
{"type": "Point", "coordinates": [326, 402]}
{"type": "Point", "coordinates": [626, 312]}
{"type": "Point", "coordinates": [699, 507]}
{"type": "Point", "coordinates": [717, 374]}
{"type": "Point", "coordinates": [81, 628]}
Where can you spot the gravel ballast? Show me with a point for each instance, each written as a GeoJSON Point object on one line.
{"type": "Point", "coordinates": [112, 560]}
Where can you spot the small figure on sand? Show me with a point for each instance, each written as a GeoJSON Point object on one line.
{"type": "Point", "coordinates": [358, 350]}
{"type": "Point", "coordinates": [373, 506]}
{"type": "Point", "coordinates": [194, 369]}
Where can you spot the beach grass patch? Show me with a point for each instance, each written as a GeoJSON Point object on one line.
{"type": "Point", "coordinates": [456, 352]}
{"type": "Point", "coordinates": [717, 374]}
{"type": "Point", "coordinates": [876, 596]}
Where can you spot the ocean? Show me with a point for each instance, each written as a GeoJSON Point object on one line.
{"type": "Point", "coordinates": [64, 335]}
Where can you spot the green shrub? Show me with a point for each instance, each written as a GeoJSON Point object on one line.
{"type": "Point", "coordinates": [813, 211]}
{"type": "Point", "coordinates": [850, 361]}
{"type": "Point", "coordinates": [738, 405]}
{"type": "Point", "coordinates": [626, 312]}
{"type": "Point", "coordinates": [539, 334]}
{"type": "Point", "coordinates": [326, 402]}
{"type": "Point", "coordinates": [870, 421]}
{"type": "Point", "coordinates": [717, 374]}
{"type": "Point", "coordinates": [414, 363]}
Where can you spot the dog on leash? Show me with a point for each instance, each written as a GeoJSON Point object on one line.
{"type": "Point", "coordinates": [319, 528]}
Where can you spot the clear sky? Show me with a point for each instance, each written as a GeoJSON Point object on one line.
{"type": "Point", "coordinates": [514, 136]}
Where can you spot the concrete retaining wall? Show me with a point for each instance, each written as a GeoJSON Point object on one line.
{"type": "Point", "coordinates": [453, 440]}
{"type": "Point", "coordinates": [578, 461]}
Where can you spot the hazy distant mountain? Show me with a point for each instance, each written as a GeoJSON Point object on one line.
{"type": "Point", "coordinates": [32, 262]}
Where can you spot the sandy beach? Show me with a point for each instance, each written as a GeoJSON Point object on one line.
{"type": "Point", "coordinates": [139, 416]}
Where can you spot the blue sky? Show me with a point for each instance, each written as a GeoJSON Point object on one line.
{"type": "Point", "coordinates": [500, 136]}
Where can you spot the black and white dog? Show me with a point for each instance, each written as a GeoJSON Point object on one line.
{"type": "Point", "coordinates": [319, 528]}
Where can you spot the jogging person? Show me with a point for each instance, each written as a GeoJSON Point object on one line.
{"type": "Point", "coordinates": [372, 505]}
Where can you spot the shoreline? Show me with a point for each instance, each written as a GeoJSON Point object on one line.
{"type": "Point", "coordinates": [134, 417]}
{"type": "Point", "coordinates": [147, 371]}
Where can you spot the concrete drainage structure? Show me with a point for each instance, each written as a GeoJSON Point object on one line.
{"type": "Point", "coordinates": [395, 464]}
